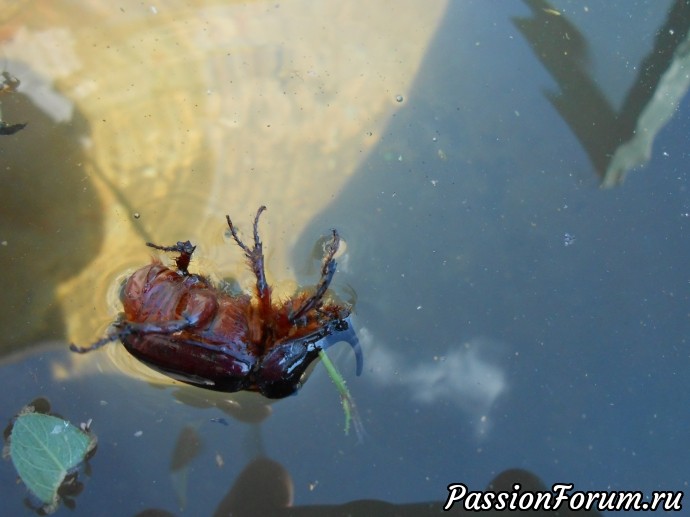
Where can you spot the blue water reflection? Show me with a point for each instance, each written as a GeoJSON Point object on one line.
{"type": "Point", "coordinates": [463, 249]}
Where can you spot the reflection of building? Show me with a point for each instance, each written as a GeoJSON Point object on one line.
{"type": "Point", "coordinates": [616, 141]}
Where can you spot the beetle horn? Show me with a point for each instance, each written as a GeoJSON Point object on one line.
{"type": "Point", "coordinates": [345, 332]}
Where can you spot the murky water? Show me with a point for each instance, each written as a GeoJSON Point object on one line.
{"type": "Point", "coordinates": [512, 314]}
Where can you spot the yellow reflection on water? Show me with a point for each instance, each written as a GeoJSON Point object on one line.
{"type": "Point", "coordinates": [199, 109]}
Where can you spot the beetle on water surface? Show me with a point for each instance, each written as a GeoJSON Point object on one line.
{"type": "Point", "coordinates": [179, 323]}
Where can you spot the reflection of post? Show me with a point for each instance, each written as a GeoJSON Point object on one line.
{"type": "Point", "coordinates": [614, 141]}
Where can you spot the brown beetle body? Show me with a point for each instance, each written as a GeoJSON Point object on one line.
{"type": "Point", "coordinates": [181, 324]}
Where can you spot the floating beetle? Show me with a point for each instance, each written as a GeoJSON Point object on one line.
{"type": "Point", "coordinates": [179, 323]}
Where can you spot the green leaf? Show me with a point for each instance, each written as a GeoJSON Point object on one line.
{"type": "Point", "coordinates": [348, 402]}
{"type": "Point", "coordinates": [44, 449]}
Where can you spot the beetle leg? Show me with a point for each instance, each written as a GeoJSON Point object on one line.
{"type": "Point", "coordinates": [122, 330]}
{"type": "Point", "coordinates": [327, 272]}
{"type": "Point", "coordinates": [185, 250]}
{"type": "Point", "coordinates": [128, 328]}
{"type": "Point", "coordinates": [98, 344]}
{"type": "Point", "coordinates": [255, 256]}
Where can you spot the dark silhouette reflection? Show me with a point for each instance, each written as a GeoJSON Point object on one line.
{"type": "Point", "coordinates": [615, 141]}
{"type": "Point", "coordinates": [264, 487]}
{"type": "Point", "coordinates": [244, 497]}
{"type": "Point", "coordinates": [50, 219]}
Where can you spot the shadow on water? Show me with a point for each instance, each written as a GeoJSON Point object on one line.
{"type": "Point", "coordinates": [51, 220]}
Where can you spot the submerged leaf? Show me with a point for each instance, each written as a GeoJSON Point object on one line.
{"type": "Point", "coordinates": [44, 450]}
{"type": "Point", "coordinates": [349, 407]}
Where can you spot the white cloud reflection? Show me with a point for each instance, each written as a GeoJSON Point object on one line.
{"type": "Point", "coordinates": [468, 376]}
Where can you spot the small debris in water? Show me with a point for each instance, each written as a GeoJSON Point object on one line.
{"type": "Point", "coordinates": [86, 426]}
{"type": "Point", "coordinates": [568, 239]}
{"type": "Point", "coordinates": [138, 434]}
